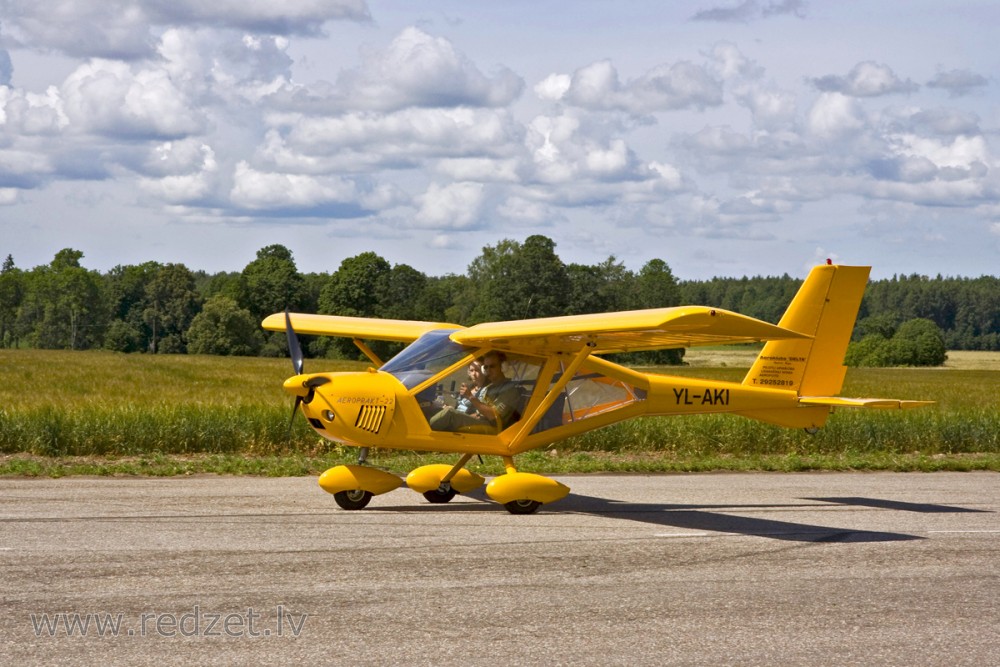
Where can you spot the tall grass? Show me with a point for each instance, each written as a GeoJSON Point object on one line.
{"type": "Point", "coordinates": [102, 404]}
{"type": "Point", "coordinates": [94, 403]}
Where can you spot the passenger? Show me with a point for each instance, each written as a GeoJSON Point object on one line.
{"type": "Point", "coordinates": [495, 404]}
{"type": "Point", "coordinates": [477, 381]}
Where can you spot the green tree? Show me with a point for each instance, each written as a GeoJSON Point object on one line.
{"type": "Point", "coordinates": [223, 328]}
{"type": "Point", "coordinates": [874, 350]}
{"type": "Point", "coordinates": [126, 287]}
{"type": "Point", "coordinates": [354, 290]}
{"type": "Point", "coordinates": [656, 287]}
{"type": "Point", "coordinates": [917, 342]}
{"type": "Point", "coordinates": [883, 324]}
{"type": "Point", "coordinates": [271, 283]}
{"type": "Point", "coordinates": [171, 305]}
{"type": "Point", "coordinates": [925, 343]}
{"type": "Point", "coordinates": [11, 296]}
{"type": "Point", "coordinates": [64, 305]}
{"type": "Point", "coordinates": [600, 288]}
{"type": "Point", "coordinates": [515, 281]}
{"type": "Point", "coordinates": [401, 295]}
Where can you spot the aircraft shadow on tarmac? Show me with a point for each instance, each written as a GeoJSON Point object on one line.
{"type": "Point", "coordinates": [705, 517]}
{"type": "Point", "coordinates": [708, 518]}
{"type": "Point", "coordinates": [926, 508]}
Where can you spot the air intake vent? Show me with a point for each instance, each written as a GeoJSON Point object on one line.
{"type": "Point", "coordinates": [370, 418]}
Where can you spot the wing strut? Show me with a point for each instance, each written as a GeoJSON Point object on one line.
{"type": "Point", "coordinates": [360, 344]}
{"type": "Point", "coordinates": [529, 421]}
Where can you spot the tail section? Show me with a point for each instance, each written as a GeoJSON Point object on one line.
{"type": "Point", "coordinates": [825, 308]}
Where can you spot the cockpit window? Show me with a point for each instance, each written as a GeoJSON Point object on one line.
{"type": "Point", "coordinates": [426, 357]}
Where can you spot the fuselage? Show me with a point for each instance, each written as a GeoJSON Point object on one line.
{"type": "Point", "coordinates": [393, 407]}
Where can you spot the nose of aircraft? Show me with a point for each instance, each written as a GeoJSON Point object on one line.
{"type": "Point", "coordinates": [302, 386]}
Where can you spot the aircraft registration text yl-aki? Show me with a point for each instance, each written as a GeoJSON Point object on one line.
{"type": "Point", "coordinates": [503, 388]}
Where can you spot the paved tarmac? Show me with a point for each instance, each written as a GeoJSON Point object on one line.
{"type": "Point", "coordinates": [719, 569]}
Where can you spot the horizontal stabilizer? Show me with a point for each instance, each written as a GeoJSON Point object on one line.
{"type": "Point", "coordinates": [879, 403]}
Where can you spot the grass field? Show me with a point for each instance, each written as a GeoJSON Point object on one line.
{"type": "Point", "coordinates": [103, 413]}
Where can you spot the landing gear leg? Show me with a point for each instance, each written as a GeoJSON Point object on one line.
{"type": "Point", "coordinates": [445, 493]}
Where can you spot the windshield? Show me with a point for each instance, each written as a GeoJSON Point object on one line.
{"type": "Point", "coordinates": [426, 357]}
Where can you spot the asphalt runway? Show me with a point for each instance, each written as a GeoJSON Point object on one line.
{"type": "Point", "coordinates": [718, 569]}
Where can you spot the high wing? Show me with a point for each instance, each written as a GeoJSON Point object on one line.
{"type": "Point", "coordinates": [368, 328]}
{"type": "Point", "coordinates": [625, 331]}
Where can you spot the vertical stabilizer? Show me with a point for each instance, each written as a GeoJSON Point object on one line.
{"type": "Point", "coordinates": [825, 307]}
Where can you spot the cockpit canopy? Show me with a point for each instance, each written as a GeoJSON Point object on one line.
{"type": "Point", "coordinates": [434, 367]}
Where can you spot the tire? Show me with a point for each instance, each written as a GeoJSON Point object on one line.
{"type": "Point", "coordinates": [522, 506]}
{"type": "Point", "coordinates": [353, 500]}
{"type": "Point", "coordinates": [437, 496]}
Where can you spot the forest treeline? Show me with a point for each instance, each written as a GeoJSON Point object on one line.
{"type": "Point", "coordinates": [170, 308]}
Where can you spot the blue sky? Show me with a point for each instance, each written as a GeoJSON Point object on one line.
{"type": "Point", "coordinates": [726, 137]}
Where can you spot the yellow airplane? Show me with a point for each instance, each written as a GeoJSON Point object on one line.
{"type": "Point", "coordinates": [503, 388]}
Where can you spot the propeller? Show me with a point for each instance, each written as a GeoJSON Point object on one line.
{"type": "Point", "coordinates": [298, 363]}
{"type": "Point", "coordinates": [294, 349]}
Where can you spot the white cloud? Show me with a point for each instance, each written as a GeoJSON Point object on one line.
{"type": "Point", "coordinates": [958, 82]}
{"type": "Point", "coordinates": [834, 116]}
{"type": "Point", "coordinates": [730, 63]}
{"type": "Point", "coordinates": [111, 28]}
{"type": "Point", "coordinates": [961, 152]}
{"type": "Point", "coordinates": [258, 190]}
{"type": "Point", "coordinates": [866, 79]}
{"type": "Point", "coordinates": [9, 196]}
{"type": "Point", "coordinates": [751, 10]}
{"type": "Point", "coordinates": [682, 85]}
{"type": "Point", "coordinates": [126, 28]}
{"type": "Point", "coordinates": [479, 169]}
{"type": "Point", "coordinates": [23, 168]}
{"type": "Point", "coordinates": [416, 70]}
{"type": "Point", "coordinates": [452, 206]}
{"type": "Point", "coordinates": [520, 210]}
{"type": "Point", "coordinates": [189, 173]}
{"type": "Point", "coordinates": [108, 97]}
{"type": "Point", "coordinates": [949, 122]}
{"type": "Point", "coordinates": [26, 113]}
{"type": "Point", "coordinates": [302, 17]}
{"type": "Point", "coordinates": [553, 87]}
{"type": "Point", "coordinates": [402, 138]}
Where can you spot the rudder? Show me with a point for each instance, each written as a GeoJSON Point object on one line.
{"type": "Point", "coordinates": [825, 307]}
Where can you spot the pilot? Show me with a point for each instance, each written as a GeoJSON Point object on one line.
{"type": "Point", "coordinates": [495, 404]}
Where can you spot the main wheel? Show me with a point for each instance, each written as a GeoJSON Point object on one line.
{"type": "Point", "coordinates": [522, 506]}
{"type": "Point", "coordinates": [438, 496]}
{"type": "Point", "coordinates": [353, 500]}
